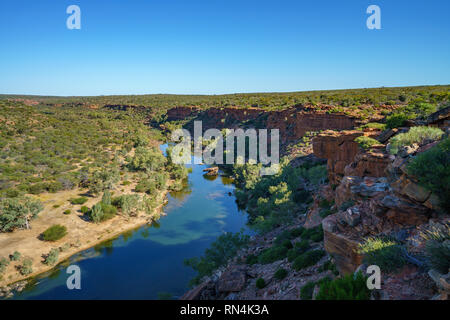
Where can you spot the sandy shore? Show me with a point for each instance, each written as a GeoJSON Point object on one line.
{"type": "Point", "coordinates": [81, 234]}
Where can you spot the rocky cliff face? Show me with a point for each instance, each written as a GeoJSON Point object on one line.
{"type": "Point", "coordinates": [374, 195]}
{"type": "Point", "coordinates": [293, 122]}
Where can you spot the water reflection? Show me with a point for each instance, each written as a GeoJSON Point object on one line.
{"type": "Point", "coordinates": [146, 261]}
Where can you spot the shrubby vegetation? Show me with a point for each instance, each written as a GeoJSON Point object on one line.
{"type": "Point", "coordinates": [437, 248]}
{"type": "Point", "coordinates": [16, 213]}
{"type": "Point", "coordinates": [26, 267]}
{"type": "Point", "coordinates": [366, 142]}
{"type": "Point", "coordinates": [415, 109]}
{"type": "Point", "coordinates": [275, 199]}
{"type": "Point", "coordinates": [414, 135]}
{"type": "Point", "coordinates": [432, 169]}
{"type": "Point", "coordinates": [54, 233]}
{"type": "Point", "coordinates": [386, 254]}
{"type": "Point", "coordinates": [268, 101]}
{"type": "Point", "coordinates": [222, 249]}
{"type": "Point", "coordinates": [52, 257]}
{"type": "Point", "coordinates": [260, 283]}
{"type": "Point", "coordinates": [349, 287]}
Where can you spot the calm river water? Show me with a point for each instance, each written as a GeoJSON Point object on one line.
{"type": "Point", "coordinates": [145, 262]}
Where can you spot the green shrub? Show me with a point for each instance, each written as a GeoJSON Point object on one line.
{"type": "Point", "coordinates": [18, 212]}
{"type": "Point", "coordinates": [280, 274]}
{"type": "Point", "coordinates": [397, 120]}
{"type": "Point", "coordinates": [106, 198]}
{"type": "Point", "coordinates": [374, 125]}
{"type": "Point", "coordinates": [287, 244]}
{"type": "Point", "coordinates": [386, 254]}
{"type": "Point", "coordinates": [219, 253]}
{"type": "Point", "coordinates": [52, 257]}
{"type": "Point", "coordinates": [307, 259]}
{"type": "Point", "coordinates": [306, 292]}
{"type": "Point", "coordinates": [350, 287]}
{"type": "Point", "coordinates": [297, 232]}
{"type": "Point", "coordinates": [260, 283]}
{"type": "Point", "coordinates": [27, 267]}
{"type": "Point", "coordinates": [3, 264]}
{"type": "Point", "coordinates": [366, 142]}
{"type": "Point", "coordinates": [328, 265]}
{"type": "Point", "coordinates": [302, 245]}
{"type": "Point", "coordinates": [272, 254]}
{"type": "Point", "coordinates": [251, 259]}
{"type": "Point", "coordinates": [77, 201]}
{"type": "Point", "coordinates": [315, 234]}
{"type": "Point", "coordinates": [67, 212]}
{"type": "Point", "coordinates": [414, 135]}
{"type": "Point", "coordinates": [15, 256]}
{"type": "Point", "coordinates": [439, 255]}
{"type": "Point", "coordinates": [84, 210]}
{"type": "Point", "coordinates": [102, 212]}
{"type": "Point", "coordinates": [54, 233]}
{"type": "Point", "coordinates": [432, 170]}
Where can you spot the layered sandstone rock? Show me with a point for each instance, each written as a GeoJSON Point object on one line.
{"type": "Point", "coordinates": [339, 148]}
{"type": "Point", "coordinates": [292, 123]}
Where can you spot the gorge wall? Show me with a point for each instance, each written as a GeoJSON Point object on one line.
{"type": "Point", "coordinates": [293, 122]}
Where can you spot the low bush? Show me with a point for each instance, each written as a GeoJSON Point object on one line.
{"type": "Point", "coordinates": [328, 265]}
{"type": "Point", "coordinates": [306, 292]}
{"type": "Point", "coordinates": [84, 210]}
{"type": "Point", "coordinates": [397, 120]}
{"type": "Point", "coordinates": [314, 234]}
{"type": "Point", "coordinates": [386, 254]}
{"type": "Point", "coordinates": [432, 170]}
{"type": "Point", "coordinates": [15, 256]}
{"type": "Point", "coordinates": [349, 287]}
{"type": "Point", "coordinates": [220, 251]}
{"type": "Point", "coordinates": [78, 201]}
{"type": "Point", "coordinates": [27, 267]}
{"type": "Point", "coordinates": [4, 263]}
{"type": "Point", "coordinates": [280, 274]}
{"type": "Point", "coordinates": [67, 211]}
{"type": "Point", "coordinates": [251, 259]}
{"type": "Point", "coordinates": [374, 125]}
{"type": "Point", "coordinates": [439, 255]}
{"type": "Point", "coordinates": [272, 254]}
{"type": "Point", "coordinates": [414, 135]}
{"type": "Point", "coordinates": [260, 283]}
{"type": "Point", "coordinates": [307, 259]}
{"type": "Point", "coordinates": [302, 245]}
{"type": "Point", "coordinates": [52, 257]}
{"type": "Point", "coordinates": [366, 142]}
{"type": "Point", "coordinates": [54, 233]}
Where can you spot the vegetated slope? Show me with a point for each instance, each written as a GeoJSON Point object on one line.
{"type": "Point", "coordinates": [383, 200]}
{"type": "Point", "coordinates": [269, 101]}
{"type": "Point", "coordinates": [71, 177]}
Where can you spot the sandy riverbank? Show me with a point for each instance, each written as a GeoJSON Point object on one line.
{"type": "Point", "coordinates": [81, 233]}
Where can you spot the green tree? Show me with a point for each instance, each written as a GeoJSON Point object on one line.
{"type": "Point", "coordinates": [17, 213]}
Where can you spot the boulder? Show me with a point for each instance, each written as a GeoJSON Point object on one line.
{"type": "Point", "coordinates": [232, 280]}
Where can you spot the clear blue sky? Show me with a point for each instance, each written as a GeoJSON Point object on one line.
{"type": "Point", "coordinates": [226, 46]}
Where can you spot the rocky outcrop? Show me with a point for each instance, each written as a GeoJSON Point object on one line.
{"type": "Point", "coordinates": [340, 149]}
{"type": "Point", "coordinates": [373, 192]}
{"type": "Point", "coordinates": [440, 118]}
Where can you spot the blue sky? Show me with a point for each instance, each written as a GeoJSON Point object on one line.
{"type": "Point", "coordinates": [213, 47]}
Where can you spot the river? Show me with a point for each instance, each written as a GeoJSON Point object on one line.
{"type": "Point", "coordinates": [148, 261]}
